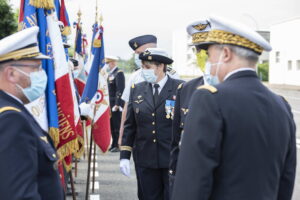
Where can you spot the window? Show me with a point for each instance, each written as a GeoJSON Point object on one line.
{"type": "Point", "coordinates": [298, 65]}
{"type": "Point", "coordinates": [277, 57]}
{"type": "Point", "coordinates": [290, 66]}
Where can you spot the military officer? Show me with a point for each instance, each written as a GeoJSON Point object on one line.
{"type": "Point", "coordinates": [239, 137]}
{"type": "Point", "coordinates": [28, 167]}
{"type": "Point", "coordinates": [148, 125]}
{"type": "Point", "coordinates": [116, 84]}
{"type": "Point", "coordinates": [198, 30]}
{"type": "Point", "coordinates": [138, 44]}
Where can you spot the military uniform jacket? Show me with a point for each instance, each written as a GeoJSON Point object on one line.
{"type": "Point", "coordinates": [28, 167]}
{"type": "Point", "coordinates": [116, 85]}
{"type": "Point", "coordinates": [148, 126]}
{"type": "Point", "coordinates": [238, 144]}
{"type": "Point", "coordinates": [183, 97]}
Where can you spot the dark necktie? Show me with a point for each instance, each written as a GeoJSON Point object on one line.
{"type": "Point", "coordinates": [155, 97]}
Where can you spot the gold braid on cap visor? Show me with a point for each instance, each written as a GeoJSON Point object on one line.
{"type": "Point", "coordinates": [22, 53]}
{"type": "Point", "coordinates": [199, 37]}
{"type": "Point", "coordinates": [223, 37]}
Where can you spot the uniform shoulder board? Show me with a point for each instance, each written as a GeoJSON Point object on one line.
{"type": "Point", "coordinates": [180, 86]}
{"type": "Point", "coordinates": [120, 71]}
{"type": "Point", "coordinates": [170, 70]}
{"type": "Point", "coordinates": [9, 108]}
{"type": "Point", "coordinates": [132, 86]}
{"type": "Point", "coordinates": [284, 99]}
{"type": "Point", "coordinates": [212, 89]}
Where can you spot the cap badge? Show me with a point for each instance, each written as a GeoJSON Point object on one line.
{"type": "Point", "coordinates": [135, 45]}
{"type": "Point", "coordinates": [200, 27]}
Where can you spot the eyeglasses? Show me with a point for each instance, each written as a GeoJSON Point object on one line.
{"type": "Point", "coordinates": [26, 65]}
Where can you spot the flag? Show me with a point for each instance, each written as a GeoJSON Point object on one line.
{"type": "Point", "coordinates": [79, 54]}
{"type": "Point", "coordinates": [96, 93]}
{"type": "Point", "coordinates": [68, 110]}
{"type": "Point", "coordinates": [31, 15]}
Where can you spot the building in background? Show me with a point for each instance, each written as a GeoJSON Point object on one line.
{"type": "Point", "coordinates": [285, 56]}
{"type": "Point", "coordinates": [184, 55]}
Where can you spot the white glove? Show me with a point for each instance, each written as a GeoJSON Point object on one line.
{"type": "Point", "coordinates": [115, 108]}
{"type": "Point", "coordinates": [85, 109]}
{"type": "Point", "coordinates": [125, 167]}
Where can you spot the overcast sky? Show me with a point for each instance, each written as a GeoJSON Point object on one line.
{"type": "Point", "coordinates": [125, 19]}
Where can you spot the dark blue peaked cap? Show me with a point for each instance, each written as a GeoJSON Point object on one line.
{"type": "Point", "coordinates": [141, 40]}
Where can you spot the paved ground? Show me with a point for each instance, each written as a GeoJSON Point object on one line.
{"type": "Point", "coordinates": [112, 185]}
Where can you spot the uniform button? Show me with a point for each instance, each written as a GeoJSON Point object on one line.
{"type": "Point", "coordinates": [153, 114]}
{"type": "Point", "coordinates": [54, 156]}
{"type": "Point", "coordinates": [171, 171]}
{"type": "Point", "coordinates": [154, 140]}
{"type": "Point", "coordinates": [181, 124]}
{"type": "Point", "coordinates": [153, 123]}
{"type": "Point", "coordinates": [153, 132]}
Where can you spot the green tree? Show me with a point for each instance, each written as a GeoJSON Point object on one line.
{"type": "Point", "coordinates": [127, 65]}
{"type": "Point", "coordinates": [8, 23]}
{"type": "Point", "coordinates": [263, 71]}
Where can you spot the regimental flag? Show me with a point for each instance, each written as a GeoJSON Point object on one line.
{"type": "Point", "coordinates": [32, 13]}
{"type": "Point", "coordinates": [96, 93]}
{"type": "Point", "coordinates": [68, 112]}
{"type": "Point", "coordinates": [79, 54]}
{"type": "Point", "coordinates": [63, 16]}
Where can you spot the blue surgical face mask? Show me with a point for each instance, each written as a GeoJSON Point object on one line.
{"type": "Point", "coordinates": [212, 79]}
{"type": "Point", "coordinates": [149, 75]}
{"type": "Point", "coordinates": [137, 61]}
{"type": "Point", "coordinates": [38, 84]}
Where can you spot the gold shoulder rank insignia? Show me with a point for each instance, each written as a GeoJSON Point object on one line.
{"type": "Point", "coordinates": [212, 89]}
{"type": "Point", "coordinates": [132, 86]}
{"type": "Point", "coordinates": [7, 108]}
{"type": "Point", "coordinates": [120, 70]}
{"type": "Point", "coordinates": [180, 86]}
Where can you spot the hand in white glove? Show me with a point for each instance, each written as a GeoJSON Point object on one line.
{"type": "Point", "coordinates": [125, 167]}
{"type": "Point", "coordinates": [85, 109]}
{"type": "Point", "coordinates": [115, 108]}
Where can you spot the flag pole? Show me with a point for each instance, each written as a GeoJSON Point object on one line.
{"type": "Point", "coordinates": [94, 168]}
{"type": "Point", "coordinates": [72, 185]}
{"type": "Point", "coordinates": [90, 155]}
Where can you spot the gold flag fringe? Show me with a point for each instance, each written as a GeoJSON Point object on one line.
{"type": "Point", "coordinates": [67, 149]}
{"type": "Point", "coordinates": [47, 4]}
{"type": "Point", "coordinates": [80, 151]}
{"type": "Point", "coordinates": [66, 31]}
{"type": "Point", "coordinates": [97, 43]}
{"type": "Point", "coordinates": [67, 167]}
{"type": "Point", "coordinates": [54, 134]}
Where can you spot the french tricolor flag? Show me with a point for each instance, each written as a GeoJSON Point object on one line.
{"type": "Point", "coordinates": [96, 93]}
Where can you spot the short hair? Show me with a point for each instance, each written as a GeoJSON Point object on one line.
{"type": "Point", "coordinates": [241, 52]}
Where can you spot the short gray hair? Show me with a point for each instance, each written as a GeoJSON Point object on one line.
{"type": "Point", "coordinates": [242, 52]}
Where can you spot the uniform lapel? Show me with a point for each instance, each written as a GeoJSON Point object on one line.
{"type": "Point", "coordinates": [165, 92]}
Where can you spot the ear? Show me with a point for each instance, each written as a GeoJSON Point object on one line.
{"type": "Point", "coordinates": [227, 54]}
{"type": "Point", "coordinates": [10, 74]}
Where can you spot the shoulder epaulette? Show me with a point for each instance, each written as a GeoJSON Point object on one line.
{"type": "Point", "coordinates": [180, 86]}
{"type": "Point", "coordinates": [120, 70]}
{"type": "Point", "coordinates": [7, 108]}
{"type": "Point", "coordinates": [212, 89]}
{"type": "Point", "coordinates": [132, 86]}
